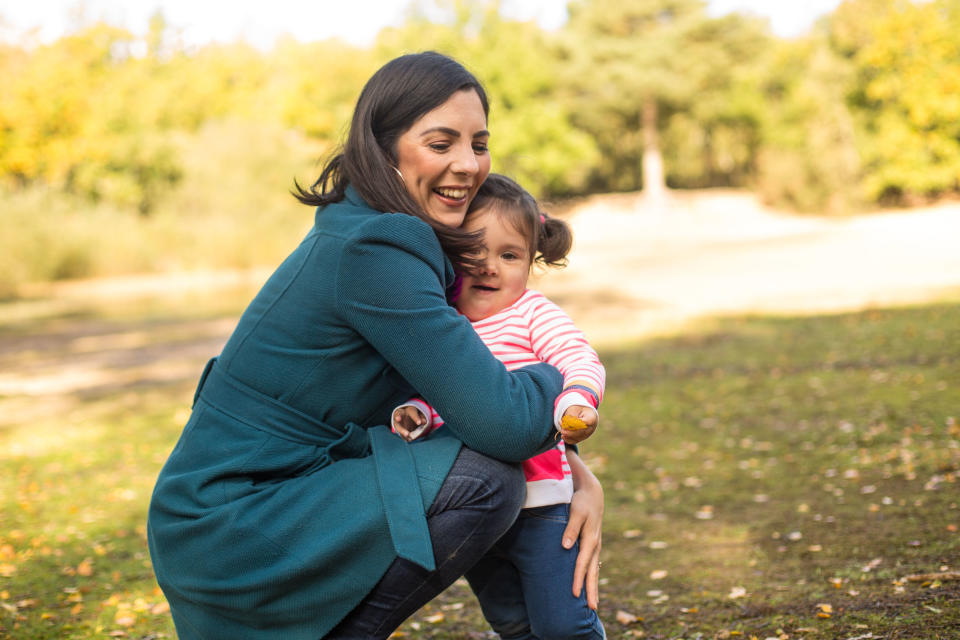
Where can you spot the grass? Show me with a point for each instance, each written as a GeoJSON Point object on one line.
{"type": "Point", "coordinates": [768, 477]}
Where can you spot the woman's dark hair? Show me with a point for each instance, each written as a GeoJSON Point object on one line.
{"type": "Point", "coordinates": [395, 97]}
{"type": "Point", "coordinates": [548, 239]}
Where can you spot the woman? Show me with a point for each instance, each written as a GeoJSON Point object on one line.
{"type": "Point", "coordinates": [287, 510]}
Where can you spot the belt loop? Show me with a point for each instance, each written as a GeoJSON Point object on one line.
{"type": "Point", "coordinates": [203, 378]}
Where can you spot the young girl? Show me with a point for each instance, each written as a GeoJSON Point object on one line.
{"type": "Point", "coordinates": [523, 583]}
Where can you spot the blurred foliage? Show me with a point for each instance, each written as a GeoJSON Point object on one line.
{"type": "Point", "coordinates": [105, 122]}
{"type": "Point", "coordinates": [905, 94]}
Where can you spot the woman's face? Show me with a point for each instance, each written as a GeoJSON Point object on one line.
{"type": "Point", "coordinates": [443, 157]}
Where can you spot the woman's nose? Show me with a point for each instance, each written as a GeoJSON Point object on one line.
{"type": "Point", "coordinates": [465, 161]}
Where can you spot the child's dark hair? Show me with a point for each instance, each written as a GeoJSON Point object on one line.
{"type": "Point", "coordinates": [548, 239]}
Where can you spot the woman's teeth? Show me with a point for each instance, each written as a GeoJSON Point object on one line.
{"type": "Point", "coordinates": [453, 194]}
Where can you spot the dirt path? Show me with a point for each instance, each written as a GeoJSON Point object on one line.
{"type": "Point", "coordinates": [635, 271]}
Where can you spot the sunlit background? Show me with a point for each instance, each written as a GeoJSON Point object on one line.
{"type": "Point", "coordinates": [143, 116]}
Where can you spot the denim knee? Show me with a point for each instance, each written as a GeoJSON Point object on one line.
{"type": "Point", "coordinates": [497, 487]}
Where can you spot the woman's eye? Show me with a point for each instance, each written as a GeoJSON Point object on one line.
{"type": "Point", "coordinates": [480, 147]}
{"type": "Point", "coordinates": [439, 146]}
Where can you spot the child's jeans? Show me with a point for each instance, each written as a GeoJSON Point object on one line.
{"type": "Point", "coordinates": [524, 584]}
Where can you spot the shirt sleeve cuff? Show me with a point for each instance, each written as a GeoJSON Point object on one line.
{"type": "Point", "coordinates": [567, 400]}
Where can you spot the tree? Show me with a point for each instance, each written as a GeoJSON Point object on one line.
{"type": "Point", "coordinates": [905, 93]}
{"type": "Point", "coordinates": [635, 62]}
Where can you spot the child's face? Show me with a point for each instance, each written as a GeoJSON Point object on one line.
{"type": "Point", "coordinates": [503, 278]}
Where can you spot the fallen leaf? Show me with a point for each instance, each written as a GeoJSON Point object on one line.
{"type": "Point", "coordinates": [160, 608]}
{"type": "Point", "coordinates": [737, 592]}
{"type": "Point", "coordinates": [873, 564]}
{"type": "Point", "coordinates": [659, 574]}
{"type": "Point", "coordinates": [435, 618]}
{"type": "Point", "coordinates": [943, 577]}
{"type": "Point", "coordinates": [85, 568]}
{"type": "Point", "coordinates": [624, 617]}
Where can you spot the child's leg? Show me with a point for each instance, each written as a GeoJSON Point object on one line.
{"type": "Point", "coordinates": [546, 575]}
{"type": "Point", "coordinates": [496, 583]}
{"type": "Point", "coordinates": [531, 557]}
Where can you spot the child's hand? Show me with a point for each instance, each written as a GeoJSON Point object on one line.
{"type": "Point", "coordinates": [408, 422]}
{"type": "Point", "coordinates": [578, 423]}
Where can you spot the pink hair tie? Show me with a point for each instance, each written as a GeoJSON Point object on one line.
{"type": "Point", "coordinates": [543, 219]}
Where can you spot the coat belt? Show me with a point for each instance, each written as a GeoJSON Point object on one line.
{"type": "Point", "coordinates": [394, 463]}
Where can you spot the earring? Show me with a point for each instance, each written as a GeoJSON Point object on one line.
{"type": "Point", "coordinates": [400, 174]}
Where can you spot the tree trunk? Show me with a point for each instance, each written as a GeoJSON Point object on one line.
{"type": "Point", "coordinates": [654, 182]}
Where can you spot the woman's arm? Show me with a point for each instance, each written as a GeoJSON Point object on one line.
{"type": "Point", "coordinates": [586, 523]}
{"type": "Point", "coordinates": [390, 290]}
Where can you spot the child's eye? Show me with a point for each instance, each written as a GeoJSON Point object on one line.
{"type": "Point", "coordinates": [510, 256]}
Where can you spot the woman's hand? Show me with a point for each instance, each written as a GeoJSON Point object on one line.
{"type": "Point", "coordinates": [586, 523]}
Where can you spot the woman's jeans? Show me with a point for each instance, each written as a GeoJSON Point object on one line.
{"type": "Point", "coordinates": [476, 505]}
{"type": "Point", "coordinates": [525, 582]}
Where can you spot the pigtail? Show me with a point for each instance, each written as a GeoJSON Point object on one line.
{"type": "Point", "coordinates": [554, 241]}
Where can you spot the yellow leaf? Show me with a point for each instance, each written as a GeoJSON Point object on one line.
{"type": "Point", "coordinates": [435, 618]}
{"type": "Point", "coordinates": [825, 608]}
{"type": "Point", "coordinates": [572, 423]}
{"type": "Point", "coordinates": [85, 568]}
{"type": "Point", "coordinates": [7, 570]}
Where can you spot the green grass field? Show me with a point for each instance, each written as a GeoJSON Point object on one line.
{"type": "Point", "coordinates": [768, 477]}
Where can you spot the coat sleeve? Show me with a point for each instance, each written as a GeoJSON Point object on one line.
{"type": "Point", "coordinates": [389, 284]}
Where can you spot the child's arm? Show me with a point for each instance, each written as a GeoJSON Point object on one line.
{"type": "Point", "coordinates": [557, 341]}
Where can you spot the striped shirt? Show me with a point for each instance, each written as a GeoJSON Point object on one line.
{"type": "Point", "coordinates": [533, 329]}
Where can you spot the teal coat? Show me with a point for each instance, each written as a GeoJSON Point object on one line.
{"type": "Point", "coordinates": [284, 502]}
